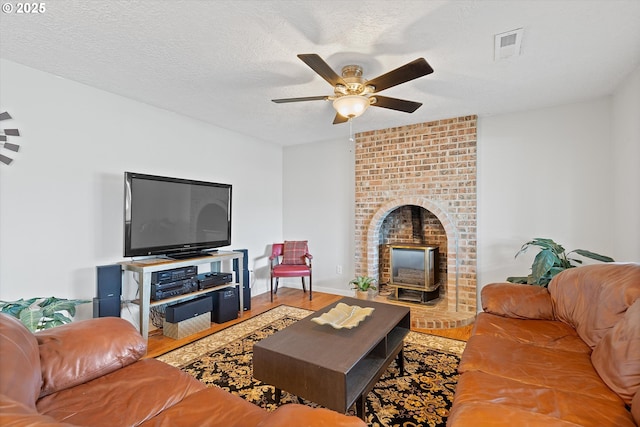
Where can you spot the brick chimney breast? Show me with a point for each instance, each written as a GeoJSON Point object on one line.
{"type": "Point", "coordinates": [427, 165]}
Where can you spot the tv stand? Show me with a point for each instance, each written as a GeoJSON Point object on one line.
{"type": "Point", "coordinates": [143, 268]}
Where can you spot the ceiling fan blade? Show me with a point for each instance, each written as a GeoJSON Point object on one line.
{"type": "Point", "coordinates": [396, 104]}
{"type": "Point", "coordinates": [318, 65]}
{"type": "Point", "coordinates": [403, 74]}
{"type": "Point", "coordinates": [339, 119]}
{"type": "Point", "coordinates": [306, 98]}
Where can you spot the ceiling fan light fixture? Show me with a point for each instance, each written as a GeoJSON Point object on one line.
{"type": "Point", "coordinates": [353, 94]}
{"type": "Point", "coordinates": [351, 106]}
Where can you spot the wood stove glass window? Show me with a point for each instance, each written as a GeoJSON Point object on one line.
{"type": "Point", "coordinates": [414, 267]}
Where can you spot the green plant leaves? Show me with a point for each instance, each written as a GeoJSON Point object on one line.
{"type": "Point", "coordinates": [542, 264]}
{"type": "Point", "coordinates": [518, 279]}
{"type": "Point", "coordinates": [53, 305]}
{"type": "Point", "coordinates": [363, 283]}
{"type": "Point", "coordinates": [14, 308]}
{"type": "Point", "coordinates": [57, 319]}
{"type": "Point", "coordinates": [30, 317]}
{"type": "Point", "coordinates": [593, 255]}
{"type": "Point", "coordinates": [42, 313]}
{"type": "Point", "coordinates": [542, 243]}
{"type": "Point", "coordinates": [550, 261]}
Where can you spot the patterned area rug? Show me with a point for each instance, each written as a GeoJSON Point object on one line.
{"type": "Point", "coordinates": [422, 397]}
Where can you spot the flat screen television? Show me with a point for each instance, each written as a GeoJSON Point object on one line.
{"type": "Point", "coordinates": [179, 218]}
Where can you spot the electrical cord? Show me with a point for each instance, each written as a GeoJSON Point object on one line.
{"type": "Point", "coordinates": [157, 314]}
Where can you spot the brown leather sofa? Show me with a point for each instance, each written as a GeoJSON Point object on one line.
{"type": "Point", "coordinates": [90, 373]}
{"type": "Point", "coordinates": [567, 356]}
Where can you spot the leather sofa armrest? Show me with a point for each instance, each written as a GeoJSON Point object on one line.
{"type": "Point", "coordinates": [517, 301]}
{"type": "Point", "coordinates": [81, 351]}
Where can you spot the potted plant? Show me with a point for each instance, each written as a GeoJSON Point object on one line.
{"type": "Point", "coordinates": [550, 261]}
{"type": "Point", "coordinates": [363, 285]}
{"type": "Point", "coordinates": [42, 313]}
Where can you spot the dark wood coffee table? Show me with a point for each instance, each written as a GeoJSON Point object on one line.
{"type": "Point", "coordinates": [334, 368]}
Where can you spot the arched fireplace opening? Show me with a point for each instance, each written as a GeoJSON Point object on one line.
{"type": "Point", "coordinates": [412, 258]}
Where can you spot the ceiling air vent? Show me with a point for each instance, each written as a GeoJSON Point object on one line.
{"type": "Point", "coordinates": [507, 44]}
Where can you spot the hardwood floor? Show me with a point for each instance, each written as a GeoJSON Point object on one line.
{"type": "Point", "coordinates": [462, 334]}
{"type": "Point", "coordinates": [159, 344]}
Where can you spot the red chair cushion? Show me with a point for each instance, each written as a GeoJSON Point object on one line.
{"type": "Point", "coordinates": [293, 270]}
{"type": "Point", "coordinates": [294, 251]}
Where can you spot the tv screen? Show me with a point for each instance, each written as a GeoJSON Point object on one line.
{"type": "Point", "coordinates": [174, 217]}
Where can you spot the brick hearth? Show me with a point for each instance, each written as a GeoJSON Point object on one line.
{"type": "Point", "coordinates": [433, 166]}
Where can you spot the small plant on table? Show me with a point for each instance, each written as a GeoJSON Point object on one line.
{"type": "Point", "coordinates": [364, 285]}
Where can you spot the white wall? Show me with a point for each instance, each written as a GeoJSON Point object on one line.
{"type": "Point", "coordinates": [543, 173]}
{"type": "Point", "coordinates": [319, 184]}
{"type": "Point", "coordinates": [625, 115]}
{"type": "Point", "coordinates": [61, 200]}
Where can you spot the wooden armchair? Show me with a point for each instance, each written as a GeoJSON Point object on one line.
{"type": "Point", "coordinates": [290, 259]}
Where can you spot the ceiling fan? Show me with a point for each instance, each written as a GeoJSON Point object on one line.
{"type": "Point", "coordinates": [353, 94]}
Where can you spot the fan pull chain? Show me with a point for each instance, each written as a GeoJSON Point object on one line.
{"type": "Point", "coordinates": [351, 138]}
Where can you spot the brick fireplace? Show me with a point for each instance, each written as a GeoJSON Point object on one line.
{"type": "Point", "coordinates": [425, 171]}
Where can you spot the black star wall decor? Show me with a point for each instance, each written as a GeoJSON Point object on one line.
{"type": "Point", "coordinates": [3, 140]}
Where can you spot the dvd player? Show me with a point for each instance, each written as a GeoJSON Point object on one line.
{"type": "Point", "coordinates": [168, 290]}
{"type": "Point", "coordinates": [210, 280]}
{"type": "Point", "coordinates": [173, 275]}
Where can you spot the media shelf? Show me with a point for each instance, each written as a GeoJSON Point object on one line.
{"type": "Point", "coordinates": [187, 296]}
{"type": "Point", "coordinates": [219, 261]}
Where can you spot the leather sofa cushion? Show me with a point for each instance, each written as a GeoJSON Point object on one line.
{"type": "Point", "coordinates": [13, 413]}
{"type": "Point", "coordinates": [301, 415]}
{"type": "Point", "coordinates": [493, 414]}
{"type": "Point", "coordinates": [542, 333]}
{"type": "Point", "coordinates": [517, 301]}
{"type": "Point", "coordinates": [594, 298]}
{"type": "Point", "coordinates": [215, 406]}
{"type": "Point", "coordinates": [635, 408]}
{"type": "Point", "coordinates": [211, 404]}
{"type": "Point", "coordinates": [617, 355]}
{"type": "Point", "coordinates": [531, 404]}
{"type": "Point", "coordinates": [563, 370]}
{"type": "Point", "coordinates": [21, 379]}
{"type": "Point", "coordinates": [78, 352]}
{"type": "Point", "coordinates": [124, 397]}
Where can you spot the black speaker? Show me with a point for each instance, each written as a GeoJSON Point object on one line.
{"type": "Point", "coordinates": [109, 280]}
{"type": "Point", "coordinates": [109, 284]}
{"type": "Point", "coordinates": [225, 305]}
{"type": "Point", "coordinates": [186, 310]}
{"type": "Point", "coordinates": [106, 307]}
{"type": "Point", "coordinates": [246, 295]}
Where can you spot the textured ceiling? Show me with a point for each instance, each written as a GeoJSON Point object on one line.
{"type": "Point", "coordinates": [223, 61]}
